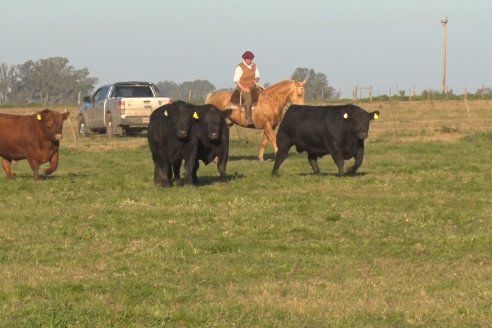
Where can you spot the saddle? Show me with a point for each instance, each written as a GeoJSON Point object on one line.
{"type": "Point", "coordinates": [236, 98]}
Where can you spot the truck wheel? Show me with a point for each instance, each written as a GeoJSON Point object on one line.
{"type": "Point", "coordinates": [82, 128]}
{"type": "Point", "coordinates": [109, 125]}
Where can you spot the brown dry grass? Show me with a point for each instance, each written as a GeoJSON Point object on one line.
{"type": "Point", "coordinates": [429, 120]}
{"type": "Point", "coordinates": [399, 121]}
{"type": "Point", "coordinates": [445, 121]}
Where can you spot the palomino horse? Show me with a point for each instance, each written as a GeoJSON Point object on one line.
{"type": "Point", "coordinates": [267, 112]}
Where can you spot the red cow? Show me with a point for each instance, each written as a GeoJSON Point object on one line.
{"type": "Point", "coordinates": [33, 137]}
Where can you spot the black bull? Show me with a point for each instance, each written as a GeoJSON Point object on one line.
{"type": "Point", "coordinates": [321, 130]}
{"type": "Point", "coordinates": [182, 131]}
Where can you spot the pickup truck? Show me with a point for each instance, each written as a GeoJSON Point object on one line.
{"type": "Point", "coordinates": [120, 108]}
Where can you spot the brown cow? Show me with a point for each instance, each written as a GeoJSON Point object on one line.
{"type": "Point", "coordinates": [33, 137]}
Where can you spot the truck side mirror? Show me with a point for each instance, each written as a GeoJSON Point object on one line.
{"type": "Point", "coordinates": [87, 99]}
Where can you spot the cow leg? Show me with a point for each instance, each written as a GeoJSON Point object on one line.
{"type": "Point", "coordinates": [162, 171]}
{"type": "Point", "coordinates": [195, 170]}
{"type": "Point", "coordinates": [157, 174]}
{"type": "Point", "coordinates": [359, 156]}
{"type": "Point", "coordinates": [340, 162]}
{"type": "Point", "coordinates": [177, 171]}
{"type": "Point", "coordinates": [53, 164]}
{"type": "Point", "coordinates": [281, 154]}
{"type": "Point", "coordinates": [161, 175]}
{"type": "Point", "coordinates": [221, 165]}
{"type": "Point", "coordinates": [169, 175]}
{"type": "Point", "coordinates": [191, 166]}
{"type": "Point", "coordinates": [7, 168]}
{"type": "Point", "coordinates": [280, 157]}
{"type": "Point", "coordinates": [313, 161]}
{"type": "Point", "coordinates": [35, 168]}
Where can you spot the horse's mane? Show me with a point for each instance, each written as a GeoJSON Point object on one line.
{"type": "Point", "coordinates": [279, 84]}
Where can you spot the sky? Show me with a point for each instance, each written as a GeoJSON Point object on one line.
{"type": "Point", "coordinates": [390, 45]}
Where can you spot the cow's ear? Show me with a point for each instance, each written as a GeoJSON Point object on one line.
{"type": "Point", "coordinates": [227, 113]}
{"type": "Point", "coordinates": [65, 115]}
{"type": "Point", "coordinates": [375, 115]}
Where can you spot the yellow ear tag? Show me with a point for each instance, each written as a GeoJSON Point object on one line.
{"type": "Point", "coordinates": [376, 116]}
{"type": "Point", "coordinates": [165, 112]}
{"type": "Point", "coordinates": [345, 116]}
{"type": "Point", "coordinates": [39, 117]}
{"type": "Point", "coordinates": [195, 115]}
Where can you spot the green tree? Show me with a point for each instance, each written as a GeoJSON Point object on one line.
{"type": "Point", "coordinates": [189, 91]}
{"type": "Point", "coordinates": [485, 91]}
{"type": "Point", "coordinates": [168, 89]}
{"type": "Point", "coordinates": [317, 87]}
{"type": "Point", "coordinates": [52, 80]}
{"type": "Point", "coordinates": [196, 90]}
{"type": "Point", "coordinates": [8, 78]}
{"type": "Point", "coordinates": [25, 86]}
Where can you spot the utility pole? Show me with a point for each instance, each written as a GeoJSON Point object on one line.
{"type": "Point", "coordinates": [444, 23]}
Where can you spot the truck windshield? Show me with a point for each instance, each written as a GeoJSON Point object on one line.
{"type": "Point", "coordinates": [133, 91]}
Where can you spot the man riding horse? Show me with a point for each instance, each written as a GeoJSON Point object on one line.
{"type": "Point", "coordinates": [268, 105]}
{"type": "Point", "coordinates": [246, 78]}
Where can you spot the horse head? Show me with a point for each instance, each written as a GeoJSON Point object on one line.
{"type": "Point", "coordinates": [296, 96]}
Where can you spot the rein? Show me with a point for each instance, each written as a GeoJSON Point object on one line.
{"type": "Point", "coordinates": [267, 96]}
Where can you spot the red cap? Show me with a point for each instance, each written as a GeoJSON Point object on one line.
{"type": "Point", "coordinates": [248, 55]}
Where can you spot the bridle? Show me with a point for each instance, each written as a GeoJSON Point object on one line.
{"type": "Point", "coordinates": [295, 88]}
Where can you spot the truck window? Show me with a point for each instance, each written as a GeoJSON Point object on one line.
{"type": "Point", "coordinates": [133, 91]}
{"type": "Point", "coordinates": [101, 94]}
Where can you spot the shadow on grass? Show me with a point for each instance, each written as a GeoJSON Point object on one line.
{"type": "Point", "coordinates": [243, 157]}
{"type": "Point", "coordinates": [208, 180]}
{"type": "Point", "coordinates": [333, 174]}
{"type": "Point", "coordinates": [266, 157]}
{"type": "Point", "coordinates": [54, 176]}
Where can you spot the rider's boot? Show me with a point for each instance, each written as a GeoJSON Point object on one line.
{"type": "Point", "coordinates": [249, 117]}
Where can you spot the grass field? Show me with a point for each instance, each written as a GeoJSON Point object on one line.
{"type": "Point", "coordinates": [405, 243]}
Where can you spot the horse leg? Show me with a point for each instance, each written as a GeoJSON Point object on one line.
{"type": "Point", "coordinates": [268, 135]}
{"type": "Point", "coordinates": [264, 143]}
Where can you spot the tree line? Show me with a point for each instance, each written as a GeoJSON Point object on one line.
{"type": "Point", "coordinates": [46, 81]}
{"type": "Point", "coordinates": [318, 88]}
{"type": "Point", "coordinates": [54, 81]}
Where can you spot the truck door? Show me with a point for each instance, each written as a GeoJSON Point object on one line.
{"type": "Point", "coordinates": [95, 113]}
